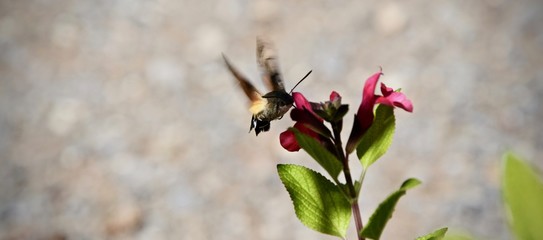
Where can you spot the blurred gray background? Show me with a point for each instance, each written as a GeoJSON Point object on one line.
{"type": "Point", "coordinates": [118, 119]}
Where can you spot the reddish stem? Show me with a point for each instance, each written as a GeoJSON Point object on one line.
{"type": "Point", "coordinates": [348, 179]}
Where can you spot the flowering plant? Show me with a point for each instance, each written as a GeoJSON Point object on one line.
{"type": "Point", "coordinates": [326, 206]}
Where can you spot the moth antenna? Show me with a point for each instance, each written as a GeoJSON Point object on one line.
{"type": "Point", "coordinates": [300, 81]}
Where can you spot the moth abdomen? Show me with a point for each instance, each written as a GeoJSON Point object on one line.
{"type": "Point", "coordinates": [259, 125]}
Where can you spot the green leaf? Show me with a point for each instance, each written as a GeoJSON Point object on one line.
{"type": "Point", "coordinates": [383, 213]}
{"type": "Point", "coordinates": [378, 138]}
{"type": "Point", "coordinates": [325, 158]}
{"type": "Point", "coordinates": [318, 203]}
{"type": "Point", "coordinates": [410, 183]}
{"type": "Point", "coordinates": [523, 195]}
{"type": "Point", "coordinates": [436, 235]}
{"type": "Point", "coordinates": [458, 235]}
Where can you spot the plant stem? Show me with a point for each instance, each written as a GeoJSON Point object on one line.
{"type": "Point", "coordinates": [357, 219]}
{"type": "Point", "coordinates": [336, 127]}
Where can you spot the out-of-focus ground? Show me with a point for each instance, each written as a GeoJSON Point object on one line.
{"type": "Point", "coordinates": [118, 119]}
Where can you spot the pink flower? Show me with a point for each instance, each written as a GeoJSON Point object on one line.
{"type": "Point", "coordinates": [307, 122]}
{"type": "Point", "coordinates": [364, 117]}
{"type": "Point", "coordinates": [394, 99]}
{"type": "Point", "coordinates": [288, 139]}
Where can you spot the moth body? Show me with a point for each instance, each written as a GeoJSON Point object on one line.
{"type": "Point", "coordinates": [272, 105]}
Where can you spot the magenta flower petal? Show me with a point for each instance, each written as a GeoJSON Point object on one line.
{"type": "Point", "coordinates": [288, 141]}
{"type": "Point", "coordinates": [300, 101]}
{"type": "Point", "coordinates": [364, 117]}
{"type": "Point", "coordinates": [386, 90]}
{"type": "Point", "coordinates": [394, 99]}
{"type": "Point", "coordinates": [365, 111]}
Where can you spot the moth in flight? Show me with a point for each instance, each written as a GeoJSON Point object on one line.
{"type": "Point", "coordinates": [272, 105]}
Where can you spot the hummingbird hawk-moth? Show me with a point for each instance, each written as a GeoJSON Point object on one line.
{"type": "Point", "coordinates": [272, 105]}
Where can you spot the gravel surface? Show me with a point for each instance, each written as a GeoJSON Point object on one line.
{"type": "Point", "coordinates": [118, 119]}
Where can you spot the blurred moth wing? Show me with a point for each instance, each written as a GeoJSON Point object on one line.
{"type": "Point", "coordinates": [272, 105]}
{"type": "Point", "coordinates": [258, 103]}
{"type": "Point", "coordinates": [267, 61]}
